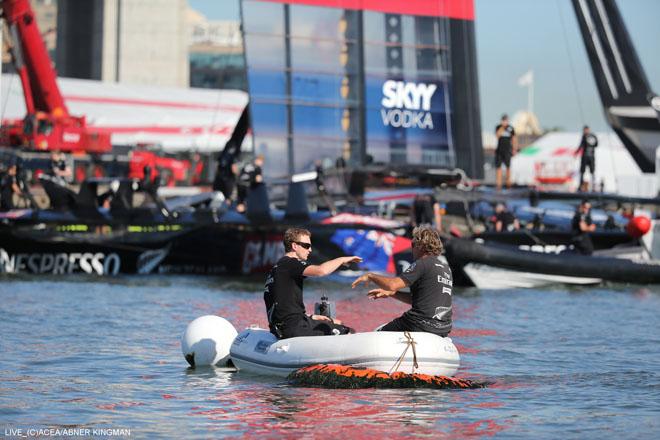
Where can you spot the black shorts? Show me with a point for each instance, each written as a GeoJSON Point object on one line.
{"type": "Point", "coordinates": [503, 156]}
{"type": "Point", "coordinates": [311, 327]}
{"type": "Point", "coordinates": [241, 193]}
{"type": "Point", "coordinates": [403, 324]}
{"type": "Point", "coordinates": [588, 162]}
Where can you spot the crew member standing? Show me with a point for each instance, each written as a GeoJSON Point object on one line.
{"type": "Point", "coordinates": [507, 145]}
{"type": "Point", "coordinates": [249, 178]}
{"type": "Point", "coordinates": [587, 147]}
{"type": "Point", "coordinates": [426, 211]}
{"type": "Point", "coordinates": [8, 187]}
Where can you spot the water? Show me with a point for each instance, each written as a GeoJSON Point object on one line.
{"type": "Point", "coordinates": [90, 354]}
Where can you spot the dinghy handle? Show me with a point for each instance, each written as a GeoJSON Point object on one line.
{"type": "Point", "coordinates": [282, 348]}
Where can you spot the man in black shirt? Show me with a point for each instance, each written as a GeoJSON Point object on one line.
{"type": "Point", "coordinates": [8, 187]}
{"type": "Point", "coordinates": [283, 293]}
{"type": "Point", "coordinates": [426, 211]}
{"type": "Point", "coordinates": [430, 282]}
{"type": "Point", "coordinates": [507, 145]}
{"type": "Point", "coordinates": [582, 225]}
{"type": "Point", "coordinates": [587, 147]}
{"type": "Point", "coordinates": [249, 177]}
{"type": "Point", "coordinates": [58, 167]}
{"type": "Point", "coordinates": [505, 220]}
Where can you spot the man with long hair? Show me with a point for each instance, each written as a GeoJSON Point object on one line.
{"type": "Point", "coordinates": [430, 282]}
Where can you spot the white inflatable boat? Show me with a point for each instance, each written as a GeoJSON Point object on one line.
{"type": "Point", "coordinates": [258, 351]}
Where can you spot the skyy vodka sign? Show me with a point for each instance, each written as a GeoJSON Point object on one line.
{"type": "Point", "coordinates": [407, 104]}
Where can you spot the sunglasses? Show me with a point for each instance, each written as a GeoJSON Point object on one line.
{"type": "Point", "coordinates": [303, 244]}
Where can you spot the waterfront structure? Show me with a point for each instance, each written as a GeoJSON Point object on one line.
{"type": "Point", "coordinates": [130, 41]}
{"type": "Point", "coordinates": [391, 82]}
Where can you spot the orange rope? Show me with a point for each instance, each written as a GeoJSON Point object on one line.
{"type": "Point", "coordinates": [343, 376]}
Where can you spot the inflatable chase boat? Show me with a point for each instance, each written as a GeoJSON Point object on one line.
{"type": "Point", "coordinates": [259, 351]}
{"type": "Point", "coordinates": [212, 340]}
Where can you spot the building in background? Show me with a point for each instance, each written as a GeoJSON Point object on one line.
{"type": "Point", "coordinates": [215, 53]}
{"type": "Point", "coordinates": [129, 41]}
{"type": "Point", "coordinates": [388, 82]}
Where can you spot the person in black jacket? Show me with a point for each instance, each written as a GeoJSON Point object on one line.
{"type": "Point", "coordinates": [587, 148]}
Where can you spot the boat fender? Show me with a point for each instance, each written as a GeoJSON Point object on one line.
{"type": "Point", "coordinates": [207, 340]}
{"type": "Point", "coordinates": [638, 226]}
{"type": "Point", "coordinates": [345, 376]}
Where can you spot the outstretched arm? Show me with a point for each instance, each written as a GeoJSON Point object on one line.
{"type": "Point", "coordinates": [330, 266]}
{"type": "Point", "coordinates": [386, 283]}
{"type": "Point", "coordinates": [381, 293]}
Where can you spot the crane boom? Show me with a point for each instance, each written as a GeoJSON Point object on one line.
{"type": "Point", "coordinates": [48, 124]}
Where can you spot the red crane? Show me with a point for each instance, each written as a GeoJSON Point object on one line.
{"type": "Point", "coordinates": [48, 125]}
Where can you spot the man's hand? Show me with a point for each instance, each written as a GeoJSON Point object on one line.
{"type": "Point", "coordinates": [380, 293]}
{"type": "Point", "coordinates": [363, 279]}
{"type": "Point", "coordinates": [321, 318]}
{"type": "Point", "coordinates": [352, 259]}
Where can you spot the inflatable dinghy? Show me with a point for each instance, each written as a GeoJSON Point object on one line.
{"type": "Point", "coordinates": [258, 351]}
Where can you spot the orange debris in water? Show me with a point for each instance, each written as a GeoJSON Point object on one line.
{"type": "Point", "coordinates": [344, 376]}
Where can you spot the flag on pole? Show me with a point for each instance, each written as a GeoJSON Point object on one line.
{"type": "Point", "coordinates": [527, 79]}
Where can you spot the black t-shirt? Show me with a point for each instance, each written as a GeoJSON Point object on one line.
{"type": "Point", "coordinates": [588, 144]}
{"type": "Point", "coordinates": [506, 218]}
{"type": "Point", "coordinates": [504, 141]}
{"type": "Point", "coordinates": [248, 176]}
{"type": "Point", "coordinates": [580, 217]}
{"type": "Point", "coordinates": [283, 292]}
{"type": "Point", "coordinates": [7, 192]}
{"type": "Point", "coordinates": [430, 282]}
{"type": "Point", "coordinates": [58, 164]}
{"type": "Point", "coordinates": [423, 206]}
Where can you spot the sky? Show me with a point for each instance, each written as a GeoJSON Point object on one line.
{"type": "Point", "coordinates": [514, 36]}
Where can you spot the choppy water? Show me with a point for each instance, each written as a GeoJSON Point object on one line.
{"type": "Point", "coordinates": [90, 355]}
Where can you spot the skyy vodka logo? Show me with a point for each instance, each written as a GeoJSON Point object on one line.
{"type": "Point", "coordinates": [407, 104]}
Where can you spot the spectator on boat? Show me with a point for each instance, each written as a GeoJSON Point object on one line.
{"type": "Point", "coordinates": [504, 219]}
{"type": "Point", "coordinates": [582, 225]}
{"type": "Point", "coordinates": [8, 187]}
{"type": "Point", "coordinates": [507, 145]}
{"type": "Point", "coordinates": [430, 282]}
{"type": "Point", "coordinates": [320, 177]}
{"type": "Point", "coordinates": [58, 168]}
{"type": "Point", "coordinates": [283, 292]}
{"type": "Point", "coordinates": [225, 177]}
{"type": "Point", "coordinates": [587, 148]}
{"type": "Point", "coordinates": [426, 211]}
{"type": "Point", "coordinates": [249, 178]}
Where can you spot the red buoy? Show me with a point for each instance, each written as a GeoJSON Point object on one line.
{"type": "Point", "coordinates": [638, 226]}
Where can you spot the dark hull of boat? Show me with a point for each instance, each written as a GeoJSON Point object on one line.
{"type": "Point", "coordinates": [183, 248]}
{"type": "Point", "coordinates": [460, 252]}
